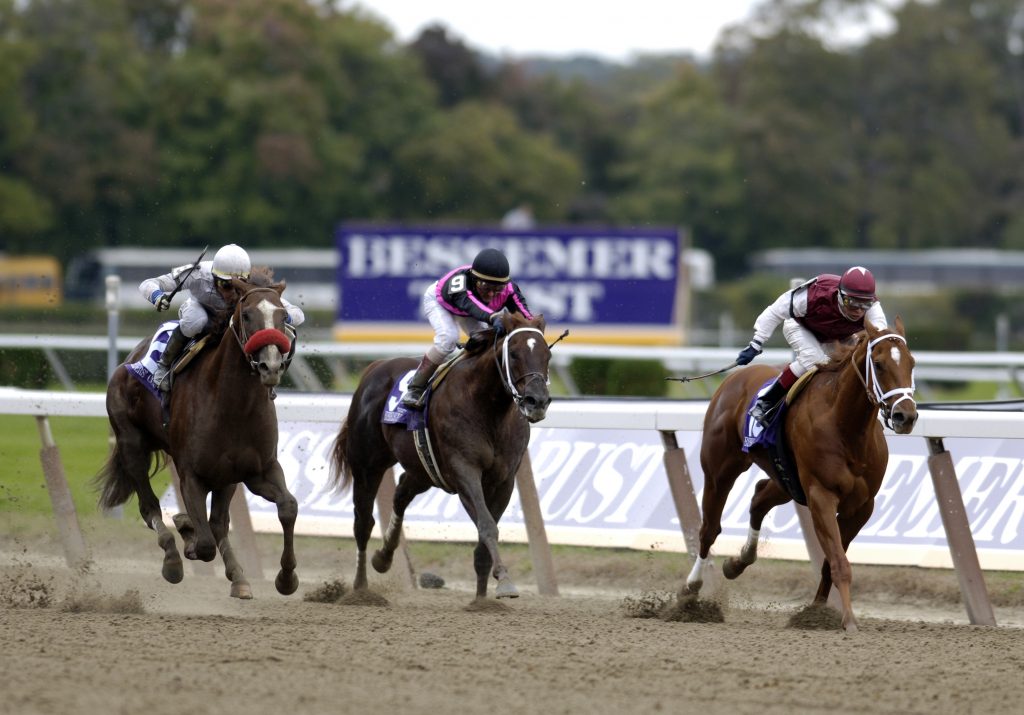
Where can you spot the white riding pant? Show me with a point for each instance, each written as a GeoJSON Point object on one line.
{"type": "Point", "coordinates": [193, 317]}
{"type": "Point", "coordinates": [809, 352]}
{"type": "Point", "coordinates": [446, 326]}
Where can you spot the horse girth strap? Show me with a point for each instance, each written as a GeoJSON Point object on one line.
{"type": "Point", "coordinates": [425, 451]}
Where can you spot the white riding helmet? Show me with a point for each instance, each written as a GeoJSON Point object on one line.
{"type": "Point", "coordinates": [231, 261]}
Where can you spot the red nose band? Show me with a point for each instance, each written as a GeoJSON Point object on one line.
{"type": "Point", "coordinates": [268, 336]}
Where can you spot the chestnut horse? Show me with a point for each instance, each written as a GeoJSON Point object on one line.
{"type": "Point", "coordinates": [222, 432]}
{"type": "Point", "coordinates": [478, 419]}
{"type": "Point", "coordinates": [832, 432]}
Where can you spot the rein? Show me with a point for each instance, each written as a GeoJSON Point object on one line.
{"type": "Point", "coordinates": [506, 375]}
{"type": "Point", "coordinates": [870, 381]}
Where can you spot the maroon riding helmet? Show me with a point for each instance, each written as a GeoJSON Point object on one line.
{"type": "Point", "coordinates": [857, 288]}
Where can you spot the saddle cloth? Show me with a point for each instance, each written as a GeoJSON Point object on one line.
{"type": "Point", "coordinates": [770, 438]}
{"type": "Point", "coordinates": [143, 369]}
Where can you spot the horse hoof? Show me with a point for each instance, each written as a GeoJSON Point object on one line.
{"type": "Point", "coordinates": [241, 590]}
{"type": "Point", "coordinates": [506, 589]}
{"type": "Point", "coordinates": [733, 568]}
{"type": "Point", "coordinates": [173, 571]}
{"type": "Point", "coordinates": [692, 588]}
{"type": "Point", "coordinates": [287, 582]}
{"type": "Point", "coordinates": [381, 562]}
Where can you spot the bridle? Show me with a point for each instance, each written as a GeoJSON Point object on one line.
{"type": "Point", "coordinates": [505, 368]}
{"type": "Point", "coordinates": [874, 390]}
{"type": "Point", "coordinates": [251, 344]}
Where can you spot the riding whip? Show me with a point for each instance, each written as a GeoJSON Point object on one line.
{"type": "Point", "coordinates": [730, 366]}
{"type": "Point", "coordinates": [185, 278]}
{"type": "Point", "coordinates": [563, 335]}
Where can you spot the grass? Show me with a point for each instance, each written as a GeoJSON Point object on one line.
{"type": "Point", "coordinates": [83, 446]}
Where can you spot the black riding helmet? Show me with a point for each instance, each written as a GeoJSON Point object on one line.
{"type": "Point", "coordinates": [491, 265]}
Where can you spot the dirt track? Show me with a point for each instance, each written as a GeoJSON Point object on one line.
{"type": "Point", "coordinates": [119, 639]}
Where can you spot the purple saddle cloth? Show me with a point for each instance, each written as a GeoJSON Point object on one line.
{"type": "Point", "coordinates": [143, 369]}
{"type": "Point", "coordinates": [395, 413]}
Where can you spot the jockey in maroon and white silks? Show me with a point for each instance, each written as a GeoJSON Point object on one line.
{"type": "Point", "coordinates": [824, 309]}
{"type": "Point", "coordinates": [468, 298]}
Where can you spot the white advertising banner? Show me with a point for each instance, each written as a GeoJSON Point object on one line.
{"type": "Point", "coordinates": [605, 487]}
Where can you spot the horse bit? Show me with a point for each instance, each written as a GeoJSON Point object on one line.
{"type": "Point", "coordinates": [506, 376]}
{"type": "Point", "coordinates": [875, 393]}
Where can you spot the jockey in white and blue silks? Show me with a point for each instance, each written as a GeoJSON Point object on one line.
{"type": "Point", "coordinates": [208, 290]}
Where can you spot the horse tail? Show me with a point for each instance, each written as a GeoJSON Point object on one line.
{"type": "Point", "coordinates": [341, 470]}
{"type": "Point", "coordinates": [114, 480]}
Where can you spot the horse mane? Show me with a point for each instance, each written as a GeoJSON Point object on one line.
{"type": "Point", "coordinates": [259, 277]}
{"type": "Point", "coordinates": [842, 353]}
{"type": "Point", "coordinates": [482, 339]}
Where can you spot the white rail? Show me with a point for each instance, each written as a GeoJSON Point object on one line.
{"type": "Point", "coordinates": [1004, 368]}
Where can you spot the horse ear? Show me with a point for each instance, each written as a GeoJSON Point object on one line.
{"type": "Point", "coordinates": [898, 324]}
{"type": "Point", "coordinates": [539, 322]}
{"type": "Point", "coordinates": [279, 287]}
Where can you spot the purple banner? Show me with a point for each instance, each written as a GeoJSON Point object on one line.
{"type": "Point", "coordinates": [575, 276]}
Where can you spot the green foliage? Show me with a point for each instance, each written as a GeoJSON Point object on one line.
{"type": "Point", "coordinates": [618, 377]}
{"type": "Point", "coordinates": [265, 122]}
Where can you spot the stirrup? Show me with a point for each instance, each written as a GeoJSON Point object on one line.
{"type": "Point", "coordinates": [413, 400]}
{"type": "Point", "coordinates": [164, 384]}
{"type": "Point", "coordinates": [760, 413]}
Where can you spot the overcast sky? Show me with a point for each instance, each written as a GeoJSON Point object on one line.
{"type": "Point", "coordinates": [613, 30]}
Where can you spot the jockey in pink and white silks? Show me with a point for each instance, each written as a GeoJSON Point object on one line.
{"type": "Point", "coordinates": [470, 298]}
{"type": "Point", "coordinates": [824, 309]}
{"type": "Point", "coordinates": [208, 289]}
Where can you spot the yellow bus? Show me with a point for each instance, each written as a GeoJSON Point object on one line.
{"type": "Point", "coordinates": [30, 282]}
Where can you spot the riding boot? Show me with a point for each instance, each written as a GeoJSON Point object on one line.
{"type": "Point", "coordinates": [175, 344]}
{"type": "Point", "coordinates": [413, 397]}
{"type": "Point", "coordinates": [766, 403]}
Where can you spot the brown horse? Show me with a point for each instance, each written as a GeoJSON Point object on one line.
{"type": "Point", "coordinates": [222, 432]}
{"type": "Point", "coordinates": [832, 431]}
{"type": "Point", "coordinates": [478, 418]}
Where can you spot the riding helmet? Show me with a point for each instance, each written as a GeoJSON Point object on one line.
{"type": "Point", "coordinates": [491, 265]}
{"type": "Point", "coordinates": [858, 282]}
{"type": "Point", "coordinates": [231, 261]}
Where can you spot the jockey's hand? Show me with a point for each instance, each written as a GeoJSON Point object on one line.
{"type": "Point", "coordinates": [499, 327]}
{"type": "Point", "coordinates": [748, 353]}
{"type": "Point", "coordinates": [161, 300]}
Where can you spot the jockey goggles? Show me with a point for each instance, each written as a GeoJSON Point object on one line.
{"type": "Point", "coordinates": [856, 303]}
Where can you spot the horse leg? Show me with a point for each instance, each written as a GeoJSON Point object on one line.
{"type": "Point", "coordinates": [202, 546]}
{"type": "Point", "coordinates": [127, 472]}
{"type": "Point", "coordinates": [719, 477]}
{"type": "Point", "coordinates": [149, 507]}
{"type": "Point", "coordinates": [364, 491]}
{"type": "Point", "coordinates": [405, 492]}
{"type": "Point", "coordinates": [271, 486]}
{"type": "Point", "coordinates": [849, 526]}
{"type": "Point", "coordinates": [767, 496]}
{"type": "Point", "coordinates": [485, 515]}
{"type": "Point", "coordinates": [219, 520]}
{"type": "Point", "coordinates": [823, 505]}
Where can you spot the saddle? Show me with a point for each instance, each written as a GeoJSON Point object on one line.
{"type": "Point", "coordinates": [415, 421]}
{"type": "Point", "coordinates": [771, 439]}
{"type": "Point", "coordinates": [144, 368]}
